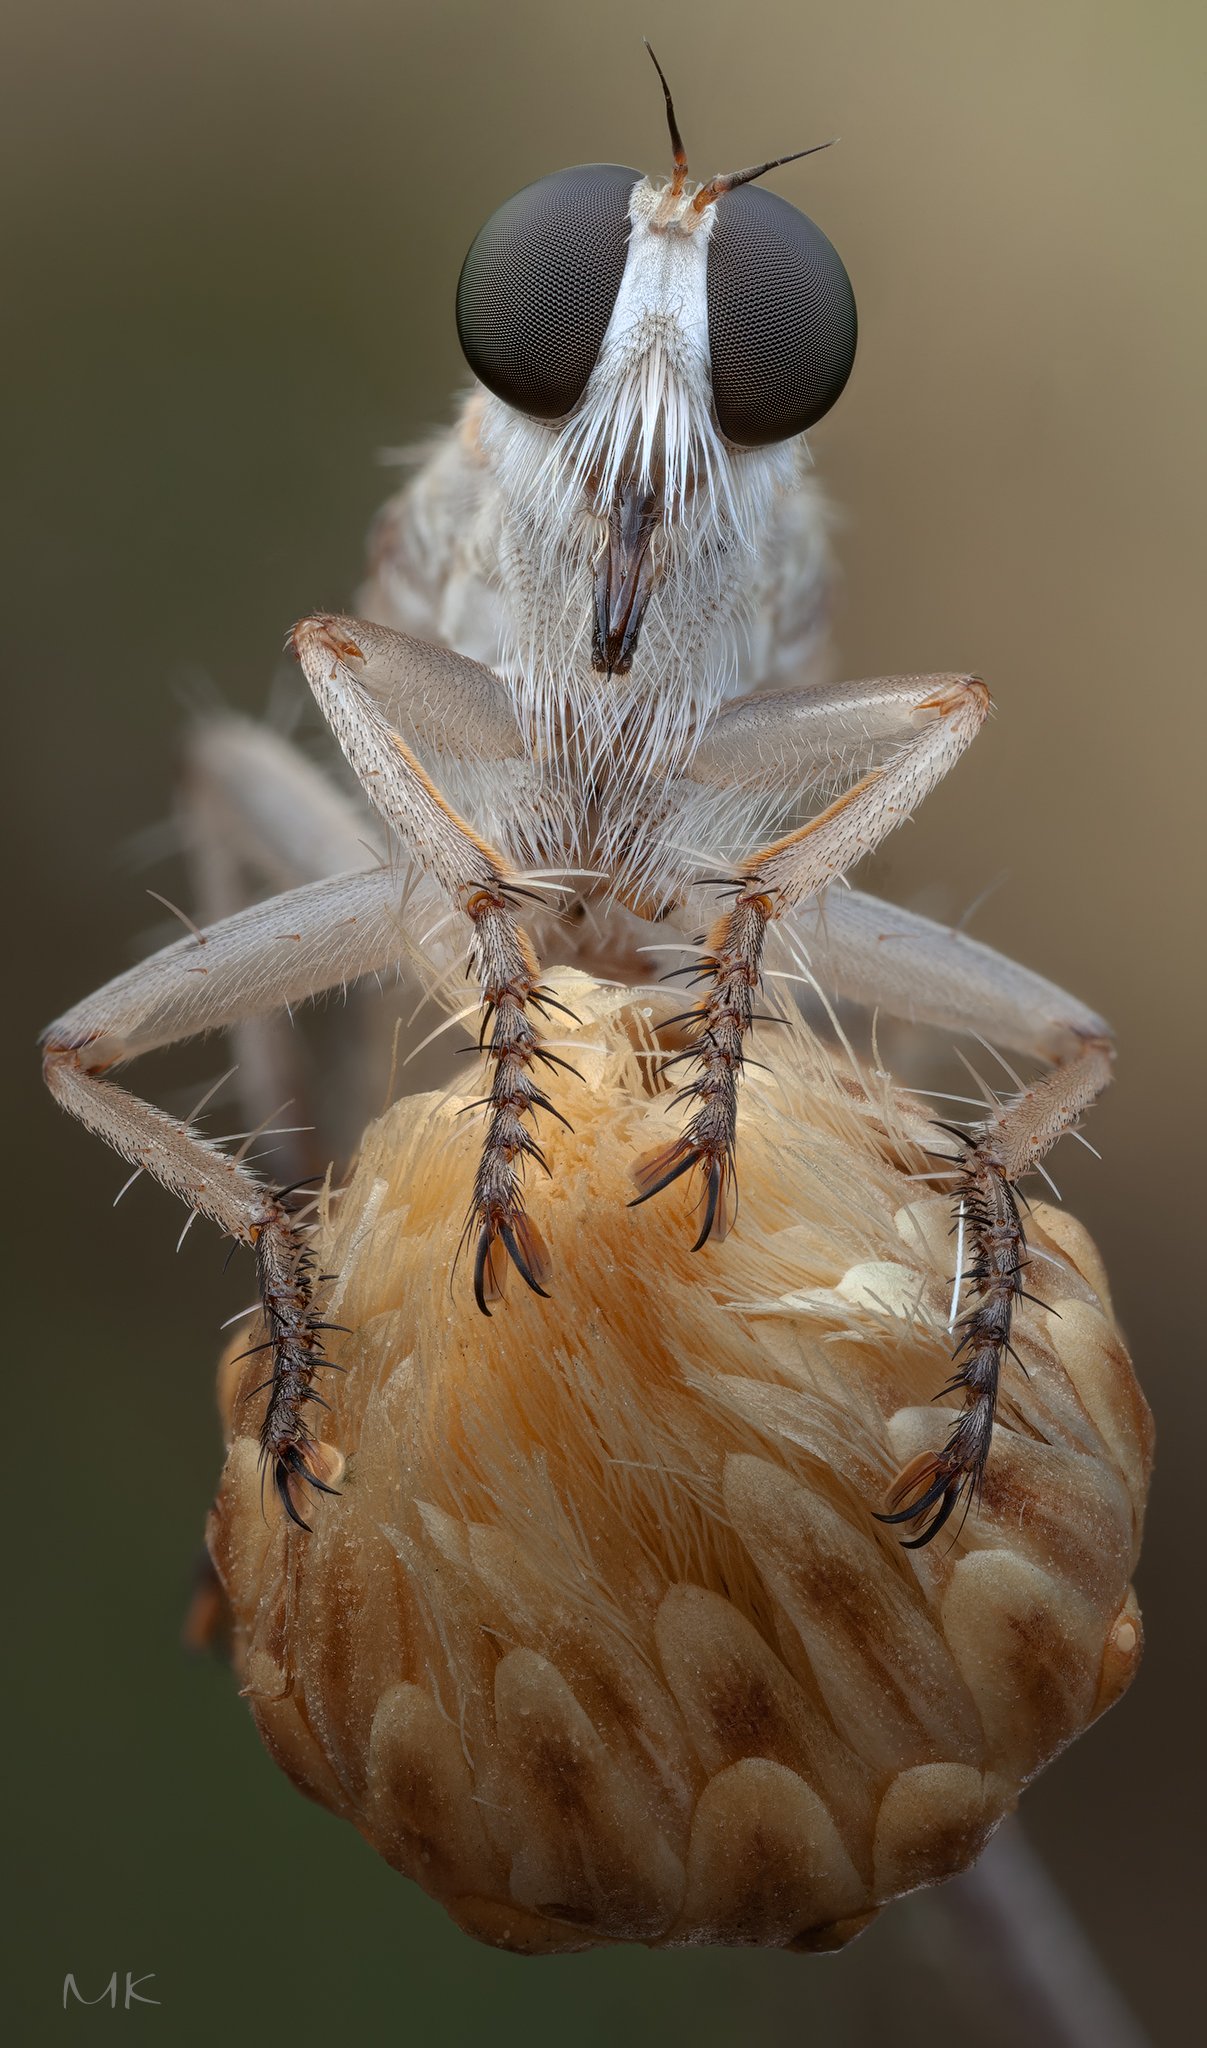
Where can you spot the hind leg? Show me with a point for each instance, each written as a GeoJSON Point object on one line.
{"type": "Point", "coordinates": [273, 954]}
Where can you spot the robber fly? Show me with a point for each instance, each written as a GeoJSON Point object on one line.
{"type": "Point", "coordinates": [586, 655]}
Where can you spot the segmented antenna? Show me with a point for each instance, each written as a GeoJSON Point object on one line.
{"type": "Point", "coordinates": [678, 153]}
{"type": "Point", "coordinates": [727, 181]}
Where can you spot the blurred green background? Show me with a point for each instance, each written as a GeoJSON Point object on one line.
{"type": "Point", "coordinates": [231, 238]}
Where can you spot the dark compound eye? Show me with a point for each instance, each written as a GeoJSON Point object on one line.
{"type": "Point", "coordinates": [781, 319]}
{"type": "Point", "coordinates": [539, 284]}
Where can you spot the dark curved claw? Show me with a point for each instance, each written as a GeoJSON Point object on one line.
{"type": "Point", "coordinates": [289, 1465]}
{"type": "Point", "coordinates": [946, 1487]}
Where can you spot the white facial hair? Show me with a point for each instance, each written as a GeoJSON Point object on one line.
{"type": "Point", "coordinates": [646, 417]}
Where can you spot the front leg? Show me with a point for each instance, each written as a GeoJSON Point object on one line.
{"type": "Point", "coordinates": [367, 679]}
{"type": "Point", "coordinates": [928, 720]}
{"type": "Point", "coordinates": [719, 1027]}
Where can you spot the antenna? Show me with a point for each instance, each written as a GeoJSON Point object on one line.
{"type": "Point", "coordinates": [726, 181]}
{"type": "Point", "coordinates": [678, 153]}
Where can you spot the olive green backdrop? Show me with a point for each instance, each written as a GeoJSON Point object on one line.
{"type": "Point", "coordinates": [233, 229]}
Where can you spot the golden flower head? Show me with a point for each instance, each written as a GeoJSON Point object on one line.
{"type": "Point", "coordinates": [600, 1640]}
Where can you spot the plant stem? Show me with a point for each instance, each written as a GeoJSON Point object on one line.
{"type": "Point", "coordinates": [1015, 1915]}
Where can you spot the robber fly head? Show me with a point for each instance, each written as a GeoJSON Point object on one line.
{"type": "Point", "coordinates": [654, 348]}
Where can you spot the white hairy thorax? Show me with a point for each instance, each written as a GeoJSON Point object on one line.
{"type": "Point", "coordinates": [492, 547]}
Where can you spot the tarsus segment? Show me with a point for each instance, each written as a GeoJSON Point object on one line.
{"type": "Point", "coordinates": [719, 1028]}
{"type": "Point", "coordinates": [994, 1156]}
{"type": "Point", "coordinates": [506, 967]}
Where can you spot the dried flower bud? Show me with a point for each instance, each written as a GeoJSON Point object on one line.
{"type": "Point", "coordinates": [600, 1640]}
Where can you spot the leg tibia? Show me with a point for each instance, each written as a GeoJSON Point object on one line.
{"type": "Point", "coordinates": [945, 714]}
{"type": "Point", "coordinates": [1016, 1138]}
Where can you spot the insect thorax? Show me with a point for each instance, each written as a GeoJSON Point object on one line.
{"type": "Point", "coordinates": [491, 548]}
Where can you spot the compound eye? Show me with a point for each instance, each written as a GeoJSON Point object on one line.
{"type": "Point", "coordinates": [781, 319]}
{"type": "Point", "coordinates": [539, 285]}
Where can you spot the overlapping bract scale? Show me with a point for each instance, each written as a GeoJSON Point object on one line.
{"type": "Point", "coordinates": [600, 1640]}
